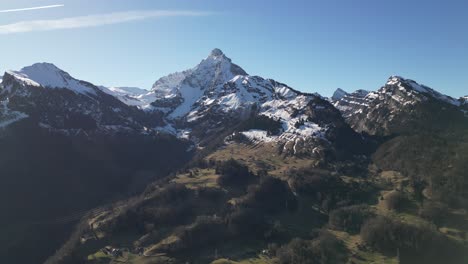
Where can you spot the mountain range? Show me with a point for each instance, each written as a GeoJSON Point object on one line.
{"type": "Point", "coordinates": [123, 150]}
{"type": "Point", "coordinates": [180, 101]}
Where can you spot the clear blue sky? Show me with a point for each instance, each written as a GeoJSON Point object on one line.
{"type": "Point", "coordinates": [311, 45]}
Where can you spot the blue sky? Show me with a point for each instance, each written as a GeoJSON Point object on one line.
{"type": "Point", "coordinates": [311, 45]}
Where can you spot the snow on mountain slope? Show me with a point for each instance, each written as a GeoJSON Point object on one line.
{"type": "Point", "coordinates": [214, 96]}
{"type": "Point", "coordinates": [54, 99]}
{"type": "Point", "coordinates": [49, 76]}
{"type": "Point", "coordinates": [167, 86]}
{"type": "Point", "coordinates": [131, 96]}
{"type": "Point", "coordinates": [178, 92]}
{"type": "Point", "coordinates": [134, 91]}
{"type": "Point", "coordinates": [294, 124]}
{"type": "Point", "coordinates": [217, 85]}
{"type": "Point", "coordinates": [349, 103]}
{"type": "Point", "coordinates": [269, 98]}
{"type": "Point", "coordinates": [217, 90]}
{"type": "Point", "coordinates": [399, 90]}
{"type": "Point", "coordinates": [240, 93]}
{"type": "Point", "coordinates": [398, 106]}
{"type": "Point", "coordinates": [218, 93]}
{"type": "Point", "coordinates": [410, 86]}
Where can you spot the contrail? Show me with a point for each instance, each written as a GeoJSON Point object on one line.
{"type": "Point", "coordinates": [30, 8]}
{"type": "Point", "coordinates": [93, 20]}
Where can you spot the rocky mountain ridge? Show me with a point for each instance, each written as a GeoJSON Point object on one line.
{"type": "Point", "coordinates": [207, 98]}
{"type": "Point", "coordinates": [397, 107]}
{"type": "Point", "coordinates": [55, 100]}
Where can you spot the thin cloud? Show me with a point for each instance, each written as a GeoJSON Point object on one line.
{"type": "Point", "coordinates": [92, 20]}
{"type": "Point", "coordinates": [30, 8]}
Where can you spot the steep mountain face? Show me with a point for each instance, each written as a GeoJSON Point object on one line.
{"type": "Point", "coordinates": [58, 101]}
{"type": "Point", "coordinates": [338, 94]}
{"type": "Point", "coordinates": [246, 96]}
{"type": "Point", "coordinates": [217, 96]}
{"type": "Point", "coordinates": [178, 92]}
{"type": "Point", "coordinates": [401, 106]}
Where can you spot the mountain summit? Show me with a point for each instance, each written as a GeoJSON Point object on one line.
{"type": "Point", "coordinates": [338, 94]}
{"type": "Point", "coordinates": [400, 106]}
{"type": "Point", "coordinates": [216, 53]}
{"type": "Point", "coordinates": [176, 93]}
{"type": "Point", "coordinates": [53, 99]}
{"type": "Point", "coordinates": [50, 76]}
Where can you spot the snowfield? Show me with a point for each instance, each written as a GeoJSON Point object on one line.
{"type": "Point", "coordinates": [49, 76]}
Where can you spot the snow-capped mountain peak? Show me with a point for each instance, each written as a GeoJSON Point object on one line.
{"type": "Point", "coordinates": [178, 92]}
{"type": "Point", "coordinates": [60, 102]}
{"type": "Point", "coordinates": [217, 67]}
{"type": "Point", "coordinates": [396, 107]}
{"type": "Point", "coordinates": [338, 94]}
{"type": "Point", "coordinates": [216, 53]}
{"type": "Point", "coordinates": [50, 76]}
{"type": "Point", "coordinates": [412, 87]}
{"type": "Point", "coordinates": [217, 93]}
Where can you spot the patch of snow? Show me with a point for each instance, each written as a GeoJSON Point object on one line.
{"type": "Point", "coordinates": [24, 79]}
{"type": "Point", "coordinates": [285, 92]}
{"type": "Point", "coordinates": [283, 110]}
{"type": "Point", "coordinates": [184, 133]}
{"type": "Point", "coordinates": [256, 135]}
{"type": "Point", "coordinates": [190, 95]}
{"type": "Point", "coordinates": [372, 95]}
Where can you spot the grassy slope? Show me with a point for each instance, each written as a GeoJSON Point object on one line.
{"type": "Point", "coordinates": [299, 223]}
{"type": "Point", "coordinates": [261, 157]}
{"type": "Point", "coordinates": [198, 178]}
